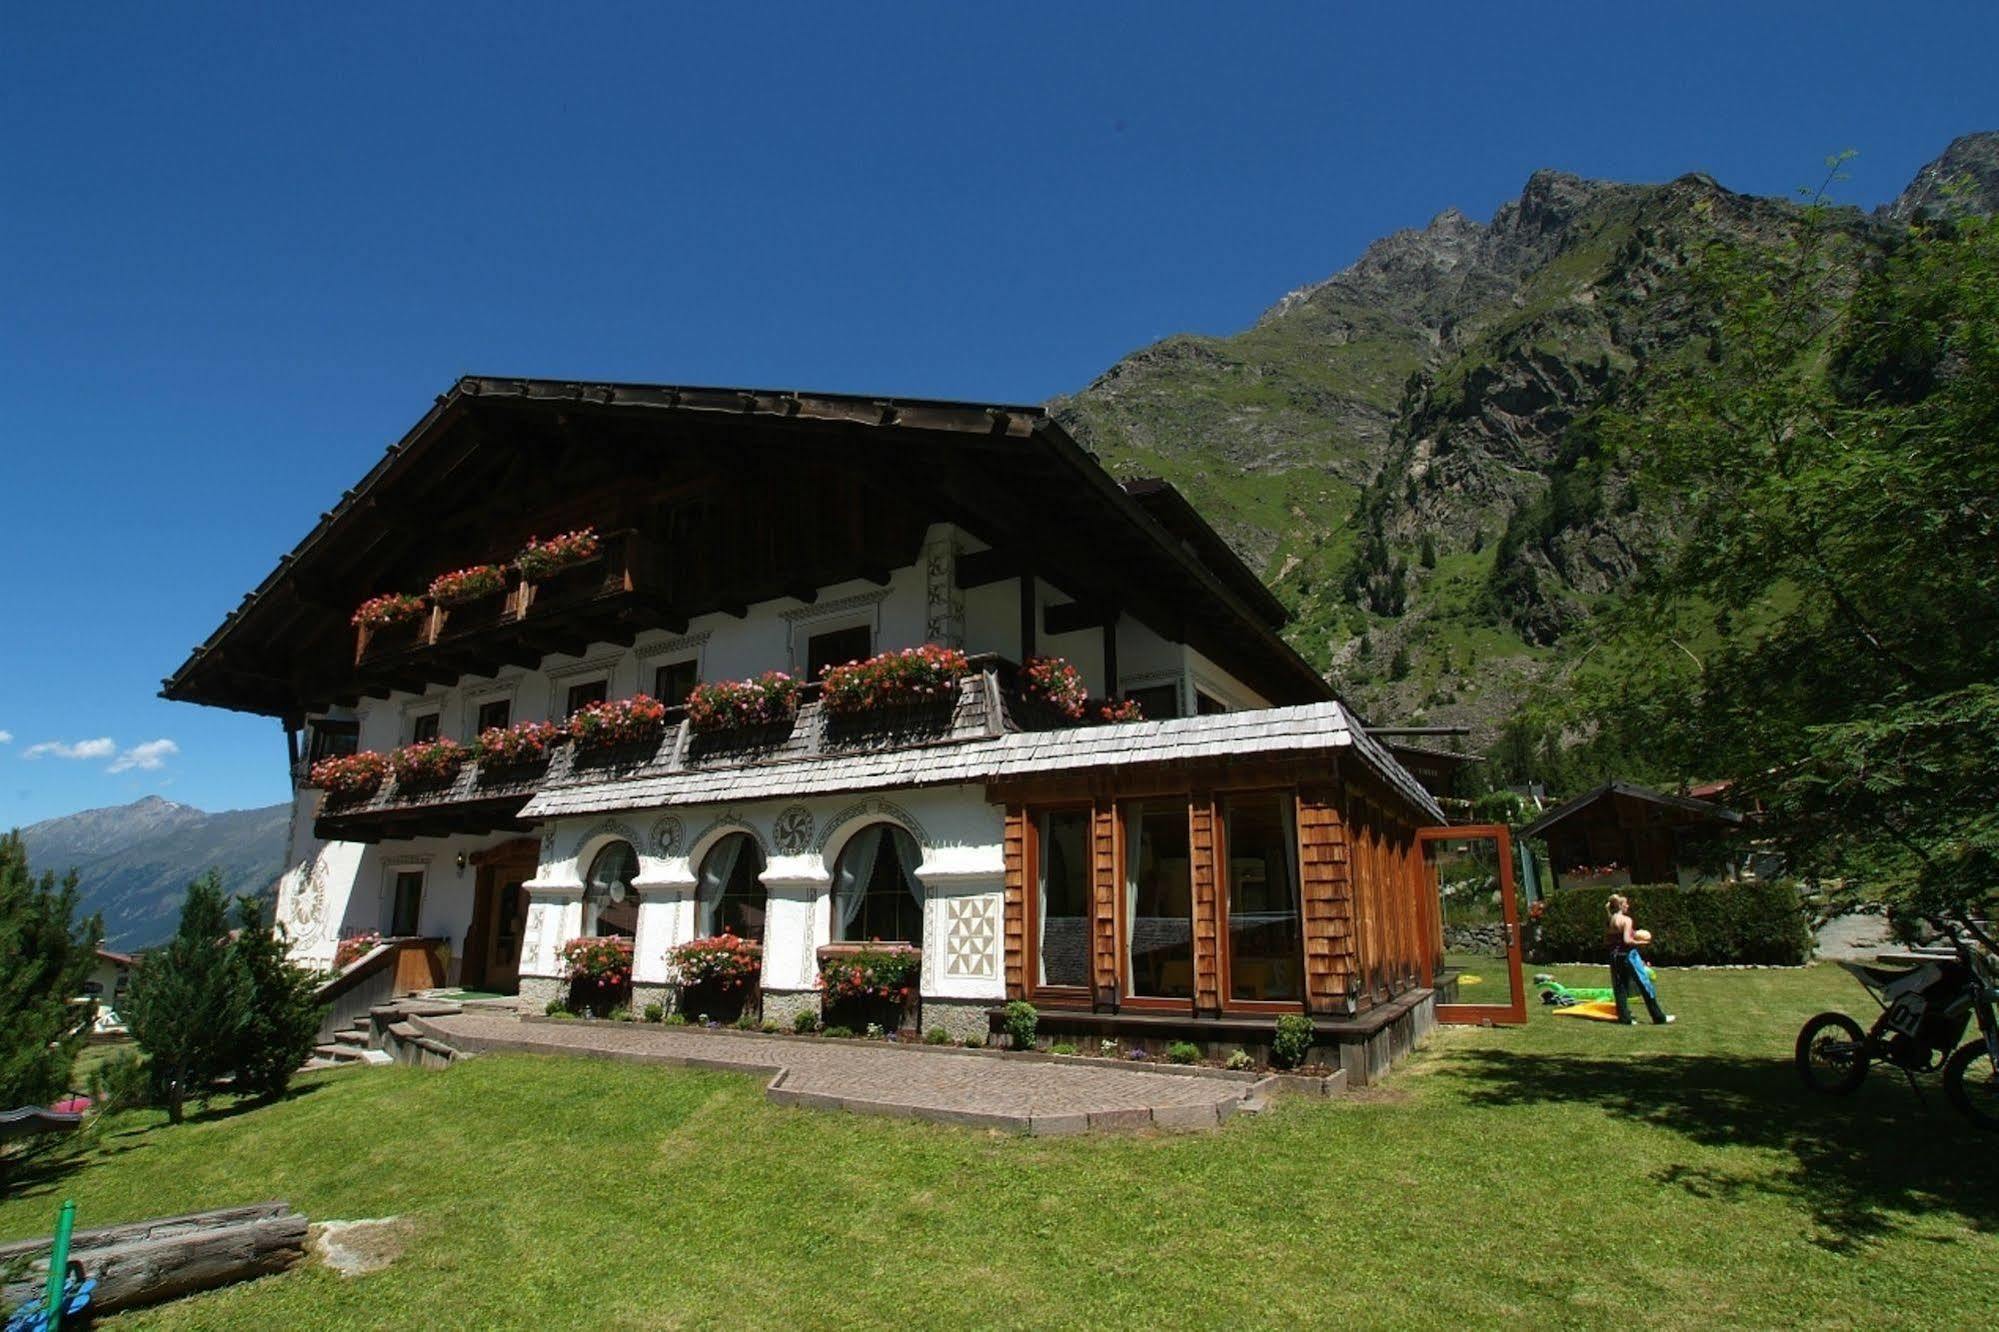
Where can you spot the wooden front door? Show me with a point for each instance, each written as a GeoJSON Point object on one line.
{"type": "Point", "coordinates": [1469, 870]}
{"type": "Point", "coordinates": [499, 912]}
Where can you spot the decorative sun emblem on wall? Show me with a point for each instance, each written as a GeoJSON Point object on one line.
{"type": "Point", "coordinates": [792, 832]}
{"type": "Point", "coordinates": [666, 835]}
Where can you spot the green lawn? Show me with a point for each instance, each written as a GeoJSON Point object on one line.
{"type": "Point", "coordinates": [1570, 1174]}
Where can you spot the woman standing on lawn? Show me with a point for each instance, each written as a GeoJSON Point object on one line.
{"type": "Point", "coordinates": [1624, 977]}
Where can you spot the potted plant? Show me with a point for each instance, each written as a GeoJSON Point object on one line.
{"type": "Point", "coordinates": [599, 969]}
{"type": "Point", "coordinates": [618, 722]}
{"type": "Point", "coordinates": [391, 620]}
{"type": "Point", "coordinates": [873, 982]}
{"type": "Point", "coordinates": [349, 776]}
{"type": "Point", "coordinates": [541, 559]}
{"type": "Point", "coordinates": [1110, 711]}
{"type": "Point", "coordinates": [893, 679]}
{"type": "Point", "coordinates": [468, 584]}
{"type": "Point", "coordinates": [717, 975]}
{"type": "Point", "coordinates": [521, 745]}
{"type": "Point", "coordinates": [1056, 684]}
{"type": "Point", "coordinates": [736, 705]}
{"type": "Point", "coordinates": [427, 762]}
{"type": "Point", "coordinates": [353, 948]}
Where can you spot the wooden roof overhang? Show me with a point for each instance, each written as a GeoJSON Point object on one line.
{"type": "Point", "coordinates": [801, 491]}
{"type": "Point", "coordinates": [1675, 809]}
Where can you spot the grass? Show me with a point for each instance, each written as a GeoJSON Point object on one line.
{"type": "Point", "coordinates": [1571, 1173]}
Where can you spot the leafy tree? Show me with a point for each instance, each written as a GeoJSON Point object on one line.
{"type": "Point", "coordinates": [46, 955]}
{"type": "Point", "coordinates": [187, 999]}
{"type": "Point", "coordinates": [1827, 631]}
{"type": "Point", "coordinates": [279, 1023]}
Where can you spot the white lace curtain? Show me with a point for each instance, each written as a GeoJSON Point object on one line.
{"type": "Point", "coordinates": [718, 867]}
{"type": "Point", "coordinates": [857, 870]}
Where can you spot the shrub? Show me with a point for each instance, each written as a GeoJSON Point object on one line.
{"type": "Point", "coordinates": [838, 1033]}
{"type": "Point", "coordinates": [746, 1022]}
{"type": "Point", "coordinates": [875, 1031]}
{"type": "Point", "coordinates": [877, 972]}
{"type": "Point", "coordinates": [1021, 1023]}
{"type": "Point", "coordinates": [618, 721]}
{"type": "Point", "coordinates": [428, 762]}
{"type": "Point", "coordinates": [937, 1036]}
{"type": "Point", "coordinates": [1714, 925]}
{"type": "Point", "coordinates": [1062, 1048]}
{"type": "Point", "coordinates": [769, 1026]}
{"type": "Point", "coordinates": [1057, 683]}
{"type": "Point", "coordinates": [349, 776]}
{"type": "Point", "coordinates": [805, 1022]}
{"type": "Point", "coordinates": [121, 1083]}
{"type": "Point", "coordinates": [676, 1019]}
{"type": "Point", "coordinates": [554, 1008]}
{"type": "Point", "coordinates": [1239, 1061]}
{"type": "Point", "coordinates": [620, 1014]}
{"type": "Point", "coordinates": [513, 746]}
{"type": "Point", "coordinates": [974, 1042]}
{"type": "Point", "coordinates": [1107, 1049]}
{"type": "Point", "coordinates": [655, 1013]}
{"type": "Point", "coordinates": [468, 584]}
{"type": "Point", "coordinates": [729, 705]}
{"type": "Point", "coordinates": [539, 559]}
{"type": "Point", "coordinates": [890, 679]}
{"type": "Point", "coordinates": [562, 1015]}
{"type": "Point", "coordinates": [387, 609]}
{"type": "Point", "coordinates": [1183, 1052]}
{"type": "Point", "coordinates": [186, 999]}
{"type": "Point", "coordinates": [1293, 1040]}
{"type": "Point", "coordinates": [277, 1020]}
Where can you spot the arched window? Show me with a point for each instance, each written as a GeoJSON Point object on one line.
{"type": "Point", "coordinates": [875, 891]}
{"type": "Point", "coordinates": [610, 906]}
{"type": "Point", "coordinates": [731, 895]}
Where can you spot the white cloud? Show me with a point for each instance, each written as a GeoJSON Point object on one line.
{"type": "Point", "coordinates": [82, 749]}
{"type": "Point", "coordinates": [6, 737]}
{"type": "Point", "coordinates": [148, 757]}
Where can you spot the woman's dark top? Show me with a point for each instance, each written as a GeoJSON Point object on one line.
{"type": "Point", "coordinates": [1613, 939]}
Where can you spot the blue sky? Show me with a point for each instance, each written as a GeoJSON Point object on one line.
{"type": "Point", "coordinates": [240, 252]}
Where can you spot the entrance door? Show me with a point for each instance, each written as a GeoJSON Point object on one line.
{"type": "Point", "coordinates": [1470, 870]}
{"type": "Point", "coordinates": [503, 941]}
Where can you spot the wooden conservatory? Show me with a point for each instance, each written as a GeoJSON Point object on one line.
{"type": "Point", "coordinates": [622, 671]}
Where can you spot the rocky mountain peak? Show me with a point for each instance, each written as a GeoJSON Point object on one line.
{"type": "Point", "coordinates": [1965, 180]}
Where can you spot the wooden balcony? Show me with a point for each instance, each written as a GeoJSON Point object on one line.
{"type": "Point", "coordinates": [611, 597]}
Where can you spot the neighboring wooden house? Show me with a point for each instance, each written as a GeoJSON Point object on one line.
{"type": "Point", "coordinates": [1621, 833]}
{"type": "Point", "coordinates": [1245, 851]}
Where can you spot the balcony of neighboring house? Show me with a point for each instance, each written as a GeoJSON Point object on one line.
{"type": "Point", "coordinates": [624, 587]}
{"type": "Point", "coordinates": [989, 700]}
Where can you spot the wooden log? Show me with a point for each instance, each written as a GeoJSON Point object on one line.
{"type": "Point", "coordinates": [147, 1262]}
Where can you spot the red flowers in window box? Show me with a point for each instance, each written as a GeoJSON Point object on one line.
{"type": "Point", "coordinates": [349, 951]}
{"type": "Point", "coordinates": [428, 762]}
{"type": "Point", "coordinates": [539, 559]}
{"type": "Point", "coordinates": [517, 745]}
{"type": "Point", "coordinates": [621, 721]}
{"type": "Point", "coordinates": [387, 609]}
{"type": "Point", "coordinates": [605, 960]}
{"type": "Point", "coordinates": [912, 675]}
{"type": "Point", "coordinates": [729, 705]}
{"type": "Point", "coordinates": [885, 971]}
{"type": "Point", "coordinates": [1056, 682]}
{"type": "Point", "coordinates": [469, 584]}
{"type": "Point", "coordinates": [725, 961]}
{"type": "Point", "coordinates": [349, 776]}
{"type": "Point", "coordinates": [1108, 711]}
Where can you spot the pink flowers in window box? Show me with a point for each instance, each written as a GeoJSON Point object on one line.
{"type": "Point", "coordinates": [352, 950]}
{"type": "Point", "coordinates": [468, 584]}
{"type": "Point", "coordinates": [730, 705]}
{"type": "Point", "coordinates": [428, 762]}
{"type": "Point", "coordinates": [621, 721]}
{"type": "Point", "coordinates": [724, 961]}
{"type": "Point", "coordinates": [605, 960]}
{"type": "Point", "coordinates": [349, 776]}
{"type": "Point", "coordinates": [1057, 683]}
{"type": "Point", "coordinates": [387, 609]}
{"type": "Point", "coordinates": [517, 745]}
{"type": "Point", "coordinates": [539, 559]}
{"type": "Point", "coordinates": [879, 971]}
{"type": "Point", "coordinates": [892, 679]}
{"type": "Point", "coordinates": [1108, 711]}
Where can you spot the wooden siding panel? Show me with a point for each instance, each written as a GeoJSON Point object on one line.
{"type": "Point", "coordinates": [1016, 902]}
{"type": "Point", "coordinates": [1203, 871]}
{"type": "Point", "coordinates": [1104, 822]}
{"type": "Point", "coordinates": [1326, 887]}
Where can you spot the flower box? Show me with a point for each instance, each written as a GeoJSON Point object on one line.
{"type": "Point", "coordinates": [717, 976]}
{"type": "Point", "coordinates": [428, 762]}
{"type": "Point", "coordinates": [893, 679]}
{"type": "Point", "coordinates": [870, 983]}
{"type": "Point", "coordinates": [1055, 683]}
{"type": "Point", "coordinates": [769, 700]}
{"type": "Point", "coordinates": [521, 745]}
{"type": "Point", "coordinates": [351, 950]}
{"type": "Point", "coordinates": [543, 559]}
{"type": "Point", "coordinates": [391, 608]}
{"type": "Point", "coordinates": [1111, 711]}
{"type": "Point", "coordinates": [349, 776]}
{"type": "Point", "coordinates": [463, 586]}
{"type": "Point", "coordinates": [616, 723]}
{"type": "Point", "coordinates": [599, 969]}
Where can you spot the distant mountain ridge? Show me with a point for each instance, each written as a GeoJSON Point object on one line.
{"type": "Point", "coordinates": [1406, 451]}
{"type": "Point", "coordinates": [134, 862]}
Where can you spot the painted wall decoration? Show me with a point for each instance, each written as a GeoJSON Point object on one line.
{"type": "Point", "coordinates": [971, 937]}
{"type": "Point", "coordinates": [666, 834]}
{"type": "Point", "coordinates": [792, 833]}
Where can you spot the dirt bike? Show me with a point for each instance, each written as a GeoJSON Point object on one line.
{"type": "Point", "coordinates": [1924, 1011]}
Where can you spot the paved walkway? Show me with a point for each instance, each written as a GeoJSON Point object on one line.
{"type": "Point", "coordinates": [985, 1090]}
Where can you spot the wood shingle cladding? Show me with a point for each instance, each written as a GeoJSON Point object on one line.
{"type": "Point", "coordinates": [1327, 890]}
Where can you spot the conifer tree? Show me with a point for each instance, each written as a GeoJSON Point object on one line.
{"type": "Point", "coordinates": [46, 956]}
{"type": "Point", "coordinates": [187, 1000]}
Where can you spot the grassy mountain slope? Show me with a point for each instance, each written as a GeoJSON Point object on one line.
{"type": "Point", "coordinates": [133, 862]}
{"type": "Point", "coordinates": [1408, 451]}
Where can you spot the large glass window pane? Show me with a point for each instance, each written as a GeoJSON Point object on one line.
{"type": "Point", "coordinates": [731, 893]}
{"type": "Point", "coordinates": [406, 910]}
{"type": "Point", "coordinates": [876, 895]}
{"type": "Point", "coordinates": [1266, 946]}
{"type": "Point", "coordinates": [1064, 899]}
{"type": "Point", "coordinates": [1159, 901]}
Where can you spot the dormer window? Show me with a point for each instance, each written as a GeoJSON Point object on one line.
{"type": "Point", "coordinates": [583, 695]}
{"type": "Point", "coordinates": [494, 715]}
{"type": "Point", "coordinates": [673, 682]}
{"type": "Point", "coordinates": [836, 647]}
{"type": "Point", "coordinates": [423, 727]}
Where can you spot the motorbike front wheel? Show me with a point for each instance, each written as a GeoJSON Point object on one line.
{"type": "Point", "coordinates": [1832, 1054]}
{"type": "Point", "coordinates": [1971, 1085]}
